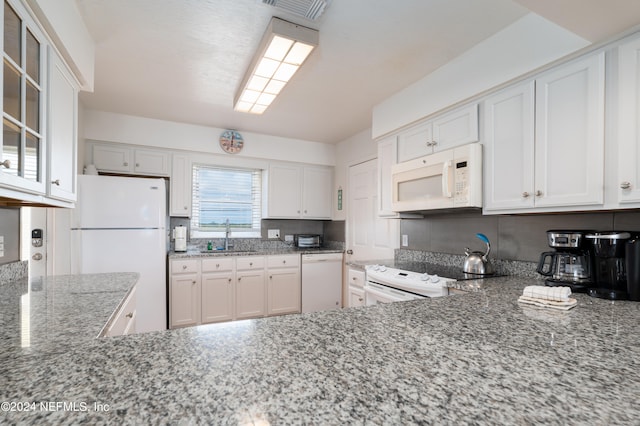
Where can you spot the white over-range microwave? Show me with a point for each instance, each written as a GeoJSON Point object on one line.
{"type": "Point", "coordinates": [443, 180]}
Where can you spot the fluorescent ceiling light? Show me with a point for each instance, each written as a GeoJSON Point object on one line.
{"type": "Point", "coordinates": [283, 49]}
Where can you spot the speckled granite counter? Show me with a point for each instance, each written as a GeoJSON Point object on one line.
{"type": "Point", "coordinates": [58, 311]}
{"type": "Point", "coordinates": [477, 358]}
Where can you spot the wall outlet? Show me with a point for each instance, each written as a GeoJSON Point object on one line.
{"type": "Point", "coordinates": [405, 240]}
{"type": "Point", "coordinates": [273, 233]}
{"type": "Point", "coordinates": [288, 238]}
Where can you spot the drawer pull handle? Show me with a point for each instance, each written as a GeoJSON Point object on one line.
{"type": "Point", "coordinates": [625, 185]}
{"type": "Point", "coordinates": [125, 164]}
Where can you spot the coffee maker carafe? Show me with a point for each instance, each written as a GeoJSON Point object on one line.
{"type": "Point", "coordinates": [570, 264]}
{"type": "Point", "coordinates": [610, 272]}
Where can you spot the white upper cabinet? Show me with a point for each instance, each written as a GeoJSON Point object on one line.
{"type": "Point", "coordinates": [509, 148]}
{"type": "Point", "coordinates": [62, 134]}
{"type": "Point", "coordinates": [569, 163]}
{"type": "Point", "coordinates": [547, 155]}
{"type": "Point", "coordinates": [449, 130]}
{"type": "Point", "coordinates": [180, 192]}
{"type": "Point", "coordinates": [298, 192]}
{"type": "Point", "coordinates": [627, 186]}
{"type": "Point", "coordinates": [114, 158]}
{"type": "Point", "coordinates": [23, 147]}
{"type": "Point", "coordinates": [387, 157]}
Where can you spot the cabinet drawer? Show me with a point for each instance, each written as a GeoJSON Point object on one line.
{"type": "Point", "coordinates": [217, 264]}
{"type": "Point", "coordinates": [283, 261]}
{"type": "Point", "coordinates": [356, 278]}
{"type": "Point", "coordinates": [249, 263]}
{"type": "Point", "coordinates": [184, 266]}
{"type": "Point", "coordinates": [124, 321]}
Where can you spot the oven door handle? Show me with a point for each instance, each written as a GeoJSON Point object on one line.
{"type": "Point", "coordinates": [391, 294]}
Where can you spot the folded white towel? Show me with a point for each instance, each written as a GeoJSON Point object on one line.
{"type": "Point", "coordinates": [560, 294]}
{"type": "Point", "coordinates": [553, 304]}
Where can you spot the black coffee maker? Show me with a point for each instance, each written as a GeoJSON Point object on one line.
{"type": "Point", "coordinates": [570, 264]}
{"type": "Point", "coordinates": [610, 271]}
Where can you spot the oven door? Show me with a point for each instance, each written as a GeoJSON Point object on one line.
{"type": "Point", "coordinates": [375, 293]}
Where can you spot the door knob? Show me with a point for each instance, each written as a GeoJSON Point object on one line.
{"type": "Point", "coordinates": [538, 193]}
{"type": "Point", "coordinates": [625, 185]}
{"type": "Point", "coordinates": [525, 195]}
{"type": "Point", "coordinates": [56, 182]}
{"type": "Point", "coordinates": [6, 164]}
{"type": "Point", "coordinates": [349, 251]}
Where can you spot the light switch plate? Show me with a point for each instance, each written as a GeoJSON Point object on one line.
{"type": "Point", "coordinates": [288, 238]}
{"type": "Point", "coordinates": [273, 233]}
{"type": "Point", "coordinates": [405, 240]}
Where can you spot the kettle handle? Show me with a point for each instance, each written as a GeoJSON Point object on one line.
{"type": "Point", "coordinates": [484, 239]}
{"type": "Point", "coordinates": [547, 272]}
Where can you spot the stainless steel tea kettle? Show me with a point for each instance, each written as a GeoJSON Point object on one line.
{"type": "Point", "coordinates": [476, 261]}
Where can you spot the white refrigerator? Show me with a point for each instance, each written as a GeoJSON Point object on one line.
{"type": "Point", "coordinates": [119, 225]}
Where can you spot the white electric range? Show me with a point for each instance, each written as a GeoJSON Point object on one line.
{"type": "Point", "coordinates": [408, 281]}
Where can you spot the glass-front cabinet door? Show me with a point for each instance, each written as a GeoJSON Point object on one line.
{"type": "Point", "coordinates": [23, 147]}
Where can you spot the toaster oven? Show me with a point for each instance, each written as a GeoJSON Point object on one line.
{"type": "Point", "coordinates": [308, 240]}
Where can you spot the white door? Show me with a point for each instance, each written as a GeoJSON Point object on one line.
{"type": "Point", "coordinates": [368, 235]}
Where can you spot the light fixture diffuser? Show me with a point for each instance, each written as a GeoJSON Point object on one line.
{"type": "Point", "coordinates": [283, 49]}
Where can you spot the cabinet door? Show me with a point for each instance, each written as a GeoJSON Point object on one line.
{"type": "Point", "coordinates": [415, 142]}
{"type": "Point", "coordinates": [456, 128]}
{"type": "Point", "coordinates": [63, 113]}
{"type": "Point", "coordinates": [284, 191]}
{"type": "Point", "coordinates": [387, 157]}
{"type": "Point", "coordinates": [150, 162]}
{"type": "Point", "coordinates": [250, 294]}
{"type": "Point", "coordinates": [180, 195]}
{"type": "Point", "coordinates": [628, 182]}
{"type": "Point", "coordinates": [356, 297]}
{"type": "Point", "coordinates": [111, 158]}
{"type": "Point", "coordinates": [317, 193]}
{"type": "Point", "coordinates": [184, 301]}
{"type": "Point", "coordinates": [217, 297]}
{"type": "Point", "coordinates": [569, 164]}
{"type": "Point", "coordinates": [283, 291]}
{"type": "Point", "coordinates": [509, 148]}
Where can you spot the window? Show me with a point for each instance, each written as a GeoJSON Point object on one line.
{"type": "Point", "coordinates": [221, 194]}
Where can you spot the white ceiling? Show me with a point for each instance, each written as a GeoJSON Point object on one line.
{"type": "Point", "coordinates": [182, 60]}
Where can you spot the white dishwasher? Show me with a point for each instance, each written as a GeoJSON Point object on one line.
{"type": "Point", "coordinates": [321, 281]}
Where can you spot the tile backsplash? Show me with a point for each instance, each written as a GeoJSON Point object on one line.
{"type": "Point", "coordinates": [513, 237]}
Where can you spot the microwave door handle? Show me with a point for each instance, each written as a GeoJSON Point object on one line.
{"type": "Point", "coordinates": [446, 191]}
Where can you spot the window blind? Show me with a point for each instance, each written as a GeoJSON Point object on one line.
{"type": "Point", "coordinates": [220, 194]}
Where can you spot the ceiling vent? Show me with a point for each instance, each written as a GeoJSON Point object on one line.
{"type": "Point", "coordinates": [309, 9]}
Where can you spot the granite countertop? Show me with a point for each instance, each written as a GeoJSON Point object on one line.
{"type": "Point", "coordinates": [56, 311]}
{"type": "Point", "coordinates": [252, 252]}
{"type": "Point", "coordinates": [476, 358]}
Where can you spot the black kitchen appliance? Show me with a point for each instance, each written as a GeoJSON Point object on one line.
{"type": "Point", "coordinates": [610, 272]}
{"type": "Point", "coordinates": [570, 264]}
{"type": "Point", "coordinates": [632, 258]}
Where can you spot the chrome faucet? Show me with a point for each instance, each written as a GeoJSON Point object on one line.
{"type": "Point", "coordinates": [226, 235]}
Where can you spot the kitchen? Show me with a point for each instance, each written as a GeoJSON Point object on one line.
{"type": "Point", "coordinates": [351, 367]}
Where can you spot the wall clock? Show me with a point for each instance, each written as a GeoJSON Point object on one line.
{"type": "Point", "coordinates": [231, 141]}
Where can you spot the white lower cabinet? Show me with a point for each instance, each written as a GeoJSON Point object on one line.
{"type": "Point", "coordinates": [283, 284]}
{"type": "Point", "coordinates": [124, 321]}
{"type": "Point", "coordinates": [223, 288]}
{"type": "Point", "coordinates": [250, 287]}
{"type": "Point", "coordinates": [184, 293]}
{"type": "Point", "coordinates": [217, 290]}
{"type": "Point", "coordinates": [356, 279]}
